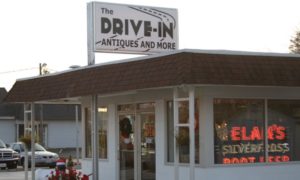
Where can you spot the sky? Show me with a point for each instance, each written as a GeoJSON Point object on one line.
{"type": "Point", "coordinates": [55, 31]}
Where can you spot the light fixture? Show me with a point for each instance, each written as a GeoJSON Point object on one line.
{"type": "Point", "coordinates": [102, 109]}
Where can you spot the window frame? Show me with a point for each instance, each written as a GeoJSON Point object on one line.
{"type": "Point", "coordinates": [265, 131]}
{"type": "Point", "coordinates": [100, 123]}
{"type": "Point", "coordinates": [169, 158]}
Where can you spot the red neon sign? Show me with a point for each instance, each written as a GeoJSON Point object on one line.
{"type": "Point", "coordinates": [251, 159]}
{"type": "Point", "coordinates": [239, 148]}
{"type": "Point", "coordinates": [275, 132]}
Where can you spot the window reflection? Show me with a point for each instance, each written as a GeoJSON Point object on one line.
{"type": "Point", "coordinates": [238, 130]}
{"type": "Point", "coordinates": [102, 131]}
{"type": "Point", "coordinates": [241, 131]}
{"type": "Point", "coordinates": [284, 130]}
{"type": "Point", "coordinates": [182, 136]}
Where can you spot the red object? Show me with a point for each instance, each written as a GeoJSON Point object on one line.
{"type": "Point", "coordinates": [85, 177]}
{"type": "Point", "coordinates": [62, 160]}
{"type": "Point", "coordinates": [275, 132]}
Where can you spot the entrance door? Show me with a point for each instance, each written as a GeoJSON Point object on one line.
{"type": "Point", "coordinates": [127, 147]}
{"type": "Point", "coordinates": [147, 145]}
{"type": "Point", "coordinates": [137, 145]}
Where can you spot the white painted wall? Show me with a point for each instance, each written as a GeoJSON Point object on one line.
{"type": "Point", "coordinates": [62, 134]}
{"type": "Point", "coordinates": [264, 172]}
{"type": "Point", "coordinates": [7, 130]}
{"type": "Point", "coordinates": [206, 170]}
{"type": "Point", "coordinates": [247, 172]}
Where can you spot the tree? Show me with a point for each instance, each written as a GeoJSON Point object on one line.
{"type": "Point", "coordinates": [295, 43]}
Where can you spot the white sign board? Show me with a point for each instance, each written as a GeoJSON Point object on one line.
{"type": "Point", "coordinates": [131, 28]}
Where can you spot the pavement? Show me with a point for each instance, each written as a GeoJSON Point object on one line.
{"type": "Point", "coordinates": [41, 174]}
{"type": "Point", "coordinates": [19, 173]}
{"type": "Point", "coordinates": [14, 174]}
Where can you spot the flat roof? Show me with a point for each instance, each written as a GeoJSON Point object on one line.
{"type": "Point", "coordinates": [188, 66]}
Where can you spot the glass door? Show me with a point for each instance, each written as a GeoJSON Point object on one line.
{"type": "Point", "coordinates": [137, 144]}
{"type": "Point", "coordinates": [147, 145]}
{"type": "Point", "coordinates": [126, 147]}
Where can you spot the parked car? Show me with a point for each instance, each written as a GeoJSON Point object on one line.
{"type": "Point", "coordinates": [42, 156]}
{"type": "Point", "coordinates": [8, 157]}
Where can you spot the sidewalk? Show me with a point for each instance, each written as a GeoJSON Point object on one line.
{"type": "Point", "coordinates": [13, 175]}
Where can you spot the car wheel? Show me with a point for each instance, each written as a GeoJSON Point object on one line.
{"type": "Point", "coordinates": [12, 165]}
{"type": "Point", "coordinates": [23, 165]}
{"type": "Point", "coordinates": [22, 162]}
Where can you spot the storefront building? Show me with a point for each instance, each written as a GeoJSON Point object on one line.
{"type": "Point", "coordinates": [189, 114]}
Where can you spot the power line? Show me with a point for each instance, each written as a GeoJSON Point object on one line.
{"type": "Point", "coordinates": [25, 69]}
{"type": "Point", "coordinates": [18, 70]}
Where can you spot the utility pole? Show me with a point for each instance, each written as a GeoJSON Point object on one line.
{"type": "Point", "coordinates": [42, 70]}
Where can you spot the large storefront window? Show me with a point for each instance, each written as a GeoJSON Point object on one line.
{"type": "Point", "coordinates": [283, 130]}
{"type": "Point", "coordinates": [238, 124]}
{"type": "Point", "coordinates": [102, 131]}
{"type": "Point", "coordinates": [182, 136]}
{"type": "Point", "coordinates": [247, 132]}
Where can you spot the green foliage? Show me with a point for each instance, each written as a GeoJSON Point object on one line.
{"type": "Point", "coordinates": [182, 137]}
{"type": "Point", "coordinates": [26, 140]}
{"type": "Point", "coordinates": [295, 43]}
{"type": "Point", "coordinates": [125, 127]}
{"type": "Point", "coordinates": [70, 162]}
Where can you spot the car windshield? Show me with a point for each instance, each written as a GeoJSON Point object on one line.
{"type": "Point", "coordinates": [37, 147]}
{"type": "Point", "coordinates": [2, 144]}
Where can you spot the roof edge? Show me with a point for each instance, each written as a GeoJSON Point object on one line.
{"type": "Point", "coordinates": [199, 51]}
{"type": "Point", "coordinates": [240, 53]}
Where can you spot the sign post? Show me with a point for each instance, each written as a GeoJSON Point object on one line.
{"type": "Point", "coordinates": [120, 28]}
{"type": "Point", "coordinates": [90, 34]}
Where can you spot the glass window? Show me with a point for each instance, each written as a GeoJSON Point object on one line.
{"type": "Point", "coordinates": [182, 136]}
{"type": "Point", "coordinates": [183, 142]}
{"type": "Point", "coordinates": [283, 130]}
{"type": "Point", "coordinates": [102, 131]}
{"type": "Point", "coordinates": [238, 129]}
{"type": "Point", "coordinates": [126, 107]}
{"type": "Point", "coordinates": [244, 135]}
{"type": "Point", "coordinates": [146, 107]}
{"type": "Point", "coordinates": [183, 110]}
